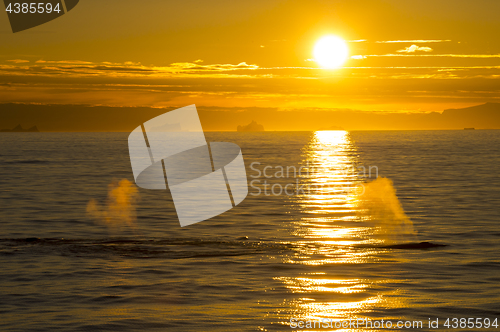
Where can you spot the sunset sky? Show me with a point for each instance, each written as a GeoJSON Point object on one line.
{"type": "Point", "coordinates": [404, 56]}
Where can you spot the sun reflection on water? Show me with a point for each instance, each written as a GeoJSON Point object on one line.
{"type": "Point", "coordinates": [329, 206]}
{"type": "Point", "coordinates": [329, 233]}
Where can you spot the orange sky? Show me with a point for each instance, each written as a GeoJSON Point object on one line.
{"type": "Point", "coordinates": [242, 54]}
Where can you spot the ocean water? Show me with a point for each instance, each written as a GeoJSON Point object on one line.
{"type": "Point", "coordinates": [304, 254]}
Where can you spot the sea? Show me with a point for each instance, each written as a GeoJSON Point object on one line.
{"type": "Point", "coordinates": [319, 243]}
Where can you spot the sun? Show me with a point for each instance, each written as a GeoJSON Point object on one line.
{"type": "Point", "coordinates": [331, 52]}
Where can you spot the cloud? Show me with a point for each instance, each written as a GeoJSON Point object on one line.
{"type": "Point", "coordinates": [241, 84]}
{"type": "Point", "coordinates": [422, 41]}
{"type": "Point", "coordinates": [189, 66]}
{"type": "Point", "coordinates": [65, 62]}
{"type": "Point", "coordinates": [414, 48]}
{"type": "Point", "coordinates": [18, 61]}
{"type": "Point", "coordinates": [76, 68]}
{"type": "Point", "coordinates": [476, 56]}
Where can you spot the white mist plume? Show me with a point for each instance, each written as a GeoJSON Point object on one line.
{"type": "Point", "coordinates": [119, 209]}
{"type": "Point", "coordinates": [380, 205]}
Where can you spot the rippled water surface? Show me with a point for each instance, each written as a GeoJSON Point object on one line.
{"type": "Point", "coordinates": [297, 247]}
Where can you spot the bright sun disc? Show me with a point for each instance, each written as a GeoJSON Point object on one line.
{"type": "Point", "coordinates": [331, 52]}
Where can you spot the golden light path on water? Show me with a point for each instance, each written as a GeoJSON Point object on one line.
{"type": "Point", "coordinates": [328, 233]}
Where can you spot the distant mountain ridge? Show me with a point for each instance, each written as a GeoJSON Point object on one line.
{"type": "Point", "coordinates": [488, 111]}
{"type": "Point", "coordinates": [84, 118]}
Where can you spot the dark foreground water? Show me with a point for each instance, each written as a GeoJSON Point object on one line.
{"type": "Point", "coordinates": [306, 255]}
